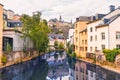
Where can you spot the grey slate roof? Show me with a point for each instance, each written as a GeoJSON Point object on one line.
{"type": "Point", "coordinates": [108, 21]}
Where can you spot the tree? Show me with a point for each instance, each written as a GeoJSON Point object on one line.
{"type": "Point", "coordinates": [36, 30]}
{"type": "Point", "coordinates": [8, 48]}
{"type": "Point", "coordinates": [61, 46]}
{"type": "Point", "coordinates": [56, 44]}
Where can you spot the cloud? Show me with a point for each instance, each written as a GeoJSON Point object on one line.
{"type": "Point", "coordinates": [69, 9]}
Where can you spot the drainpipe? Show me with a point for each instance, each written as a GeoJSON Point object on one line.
{"type": "Point", "coordinates": [108, 38]}
{"type": "Point", "coordinates": [79, 43]}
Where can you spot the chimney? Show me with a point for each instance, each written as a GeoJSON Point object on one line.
{"type": "Point", "coordinates": [112, 8]}
{"type": "Point", "coordinates": [118, 7]}
{"type": "Point", "coordinates": [77, 19]}
{"type": "Point", "coordinates": [93, 18]}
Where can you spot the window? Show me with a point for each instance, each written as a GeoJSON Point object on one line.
{"type": "Point", "coordinates": [103, 36]}
{"type": "Point", "coordinates": [91, 74]}
{"type": "Point", "coordinates": [85, 48]}
{"type": "Point", "coordinates": [76, 77]}
{"type": "Point", "coordinates": [85, 41]}
{"type": "Point", "coordinates": [85, 32]}
{"type": "Point", "coordinates": [18, 24]}
{"type": "Point", "coordinates": [82, 48]}
{"type": "Point", "coordinates": [117, 35]}
{"type": "Point", "coordinates": [76, 39]}
{"type": "Point", "coordinates": [91, 38]}
{"type": "Point", "coordinates": [82, 34]}
{"type": "Point", "coordinates": [76, 25]}
{"type": "Point", "coordinates": [76, 68]}
{"type": "Point", "coordinates": [118, 46]}
{"type": "Point", "coordinates": [91, 29]}
{"type": "Point", "coordinates": [76, 31]}
{"type": "Point", "coordinates": [95, 37]}
{"type": "Point", "coordinates": [76, 47]}
{"type": "Point", "coordinates": [103, 47]}
{"type": "Point", "coordinates": [91, 49]}
{"type": "Point", "coordinates": [95, 48]}
{"type": "Point", "coordinates": [82, 41]}
{"type": "Point", "coordinates": [95, 29]}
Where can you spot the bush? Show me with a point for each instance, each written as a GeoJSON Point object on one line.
{"type": "Point", "coordinates": [4, 59]}
{"type": "Point", "coordinates": [111, 54]}
{"type": "Point", "coordinates": [70, 51]}
{"type": "Point", "coordinates": [73, 55]}
{"type": "Point", "coordinates": [61, 46]}
{"type": "Point", "coordinates": [56, 44]}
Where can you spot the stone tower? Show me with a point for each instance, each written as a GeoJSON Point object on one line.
{"type": "Point", "coordinates": [60, 18]}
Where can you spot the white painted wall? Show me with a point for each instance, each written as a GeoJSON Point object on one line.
{"type": "Point", "coordinates": [17, 40]}
{"type": "Point", "coordinates": [99, 41]}
{"type": "Point", "coordinates": [71, 37]}
{"type": "Point", "coordinates": [114, 27]}
{"type": "Point", "coordinates": [110, 35]}
{"type": "Point", "coordinates": [93, 33]}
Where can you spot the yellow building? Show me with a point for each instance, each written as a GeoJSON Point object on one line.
{"type": "Point", "coordinates": [1, 29]}
{"type": "Point", "coordinates": [80, 36]}
{"type": "Point", "coordinates": [83, 42]}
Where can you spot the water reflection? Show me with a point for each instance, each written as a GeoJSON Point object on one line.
{"type": "Point", "coordinates": [86, 71]}
{"type": "Point", "coordinates": [53, 67]}
{"type": "Point", "coordinates": [32, 70]}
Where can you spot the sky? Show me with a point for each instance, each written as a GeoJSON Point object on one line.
{"type": "Point", "coordinates": [68, 9]}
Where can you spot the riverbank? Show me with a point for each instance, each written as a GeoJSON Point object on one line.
{"type": "Point", "coordinates": [108, 66]}
{"type": "Point", "coordinates": [17, 61]}
{"type": "Point", "coordinates": [27, 58]}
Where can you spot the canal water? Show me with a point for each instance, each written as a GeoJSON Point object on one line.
{"type": "Point", "coordinates": [55, 66]}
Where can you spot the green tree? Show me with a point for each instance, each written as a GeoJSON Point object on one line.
{"type": "Point", "coordinates": [61, 46]}
{"type": "Point", "coordinates": [56, 44]}
{"type": "Point", "coordinates": [8, 48]}
{"type": "Point", "coordinates": [36, 30]}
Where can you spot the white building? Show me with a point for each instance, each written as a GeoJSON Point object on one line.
{"type": "Point", "coordinates": [13, 37]}
{"type": "Point", "coordinates": [104, 33]}
{"type": "Point", "coordinates": [10, 14]}
{"type": "Point", "coordinates": [56, 37]}
{"type": "Point", "coordinates": [71, 35]}
{"type": "Point", "coordinates": [91, 35]}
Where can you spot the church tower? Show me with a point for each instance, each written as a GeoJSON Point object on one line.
{"type": "Point", "coordinates": [60, 18]}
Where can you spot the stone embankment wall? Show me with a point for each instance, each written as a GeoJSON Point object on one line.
{"type": "Point", "coordinates": [18, 55]}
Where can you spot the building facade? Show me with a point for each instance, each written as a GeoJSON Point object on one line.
{"type": "Point", "coordinates": [92, 36]}
{"type": "Point", "coordinates": [56, 37]}
{"type": "Point", "coordinates": [1, 29]}
{"type": "Point", "coordinates": [10, 14]}
{"type": "Point", "coordinates": [83, 42]}
{"type": "Point", "coordinates": [14, 39]}
{"type": "Point", "coordinates": [71, 35]}
{"type": "Point", "coordinates": [104, 33]}
{"type": "Point", "coordinates": [80, 26]}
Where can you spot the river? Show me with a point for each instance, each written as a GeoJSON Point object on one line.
{"type": "Point", "coordinates": [56, 66]}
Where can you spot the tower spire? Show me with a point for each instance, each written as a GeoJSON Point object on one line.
{"type": "Point", "coordinates": [60, 18]}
